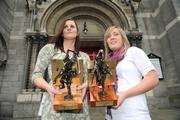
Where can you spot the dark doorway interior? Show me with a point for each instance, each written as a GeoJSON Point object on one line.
{"type": "Point", "coordinates": [91, 48]}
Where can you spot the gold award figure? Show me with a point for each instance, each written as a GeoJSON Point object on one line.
{"type": "Point", "coordinates": [66, 77]}
{"type": "Point", "coordinates": [102, 91]}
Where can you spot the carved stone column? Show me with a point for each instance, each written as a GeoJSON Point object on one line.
{"type": "Point", "coordinates": [35, 41]}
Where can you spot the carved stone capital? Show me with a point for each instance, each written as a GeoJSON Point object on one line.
{"type": "Point", "coordinates": [36, 37]}
{"type": "Point", "coordinates": [31, 4]}
{"type": "Point", "coordinates": [134, 37]}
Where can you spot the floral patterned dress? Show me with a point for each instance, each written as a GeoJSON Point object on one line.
{"type": "Point", "coordinates": [46, 54]}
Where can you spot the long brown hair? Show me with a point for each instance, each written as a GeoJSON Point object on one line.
{"type": "Point", "coordinates": [59, 39]}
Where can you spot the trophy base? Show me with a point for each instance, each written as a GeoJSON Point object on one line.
{"type": "Point", "coordinates": [60, 103]}
{"type": "Point", "coordinates": [108, 98]}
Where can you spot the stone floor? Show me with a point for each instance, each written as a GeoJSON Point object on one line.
{"type": "Point", "coordinates": [166, 114]}
{"type": "Point", "coordinates": [160, 114]}
{"type": "Point", "coordinates": [98, 114]}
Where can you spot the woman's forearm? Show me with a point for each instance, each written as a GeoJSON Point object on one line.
{"type": "Point", "coordinates": [149, 82]}
{"type": "Point", "coordinates": [41, 83]}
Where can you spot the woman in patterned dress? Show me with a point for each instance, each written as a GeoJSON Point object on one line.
{"type": "Point", "coordinates": [67, 38]}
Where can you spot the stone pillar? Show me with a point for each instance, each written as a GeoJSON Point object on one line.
{"type": "Point", "coordinates": [35, 41]}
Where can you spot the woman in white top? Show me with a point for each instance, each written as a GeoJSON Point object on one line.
{"type": "Point", "coordinates": [135, 76]}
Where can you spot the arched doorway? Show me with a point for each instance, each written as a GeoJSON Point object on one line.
{"type": "Point", "coordinates": [97, 14]}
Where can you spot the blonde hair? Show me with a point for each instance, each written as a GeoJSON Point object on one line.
{"type": "Point", "coordinates": [123, 35]}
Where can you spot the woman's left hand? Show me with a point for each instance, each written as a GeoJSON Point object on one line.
{"type": "Point", "coordinates": [83, 87]}
{"type": "Point", "coordinates": [121, 98]}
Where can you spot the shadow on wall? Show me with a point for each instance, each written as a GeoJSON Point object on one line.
{"type": "Point", "coordinates": [3, 51]}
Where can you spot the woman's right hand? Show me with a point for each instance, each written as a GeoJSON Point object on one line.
{"type": "Point", "coordinates": [52, 91]}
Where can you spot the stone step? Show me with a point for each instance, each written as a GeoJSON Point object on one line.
{"type": "Point", "coordinates": [166, 114]}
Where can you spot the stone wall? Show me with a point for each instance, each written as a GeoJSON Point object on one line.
{"type": "Point", "coordinates": [160, 22]}
{"type": "Point", "coordinates": [12, 27]}
{"type": "Point", "coordinates": [6, 20]}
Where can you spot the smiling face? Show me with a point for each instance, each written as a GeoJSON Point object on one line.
{"type": "Point", "coordinates": [114, 39]}
{"type": "Point", "coordinates": [70, 30]}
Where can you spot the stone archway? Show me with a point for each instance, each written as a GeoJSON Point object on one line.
{"type": "Point", "coordinates": [102, 12]}
{"type": "Point", "coordinates": [98, 14]}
